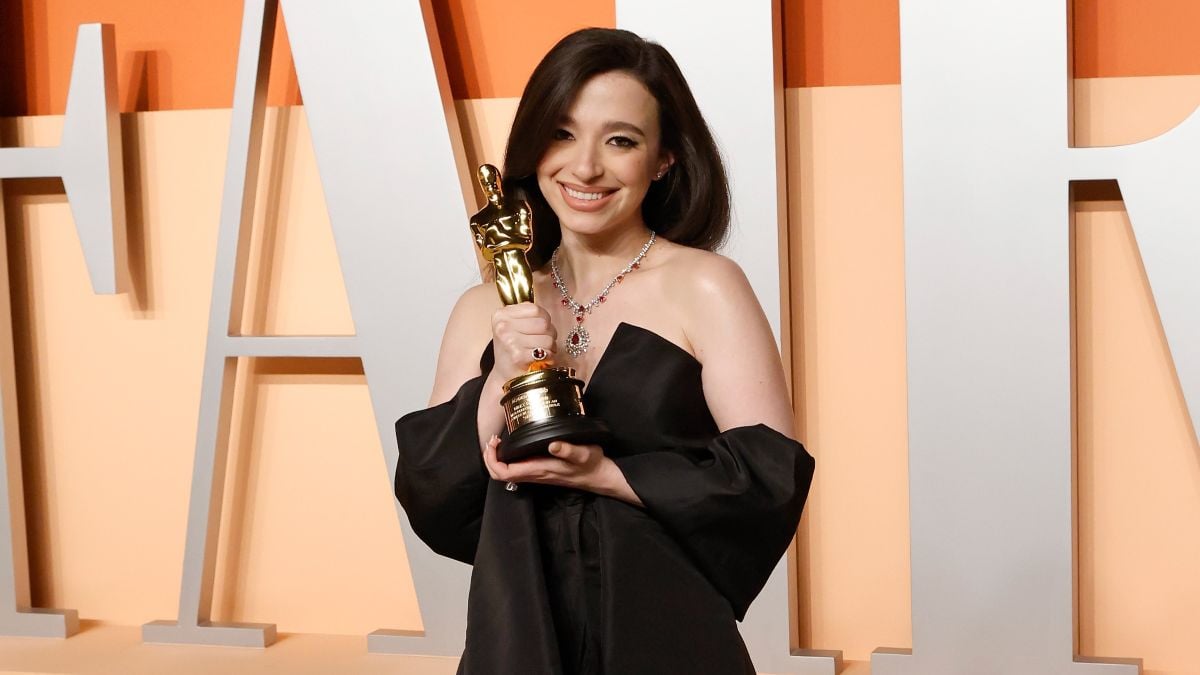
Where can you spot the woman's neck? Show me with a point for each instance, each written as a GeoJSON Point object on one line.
{"type": "Point", "coordinates": [588, 263]}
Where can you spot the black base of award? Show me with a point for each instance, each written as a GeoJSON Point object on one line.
{"type": "Point", "coordinates": [543, 406]}
{"type": "Point", "coordinates": [535, 437]}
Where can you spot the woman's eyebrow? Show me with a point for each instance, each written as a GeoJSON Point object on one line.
{"type": "Point", "coordinates": [609, 127]}
{"type": "Point", "coordinates": [623, 126]}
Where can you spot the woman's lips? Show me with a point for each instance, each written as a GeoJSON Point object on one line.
{"type": "Point", "coordinates": [585, 199]}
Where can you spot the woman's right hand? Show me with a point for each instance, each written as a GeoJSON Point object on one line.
{"type": "Point", "coordinates": [516, 331]}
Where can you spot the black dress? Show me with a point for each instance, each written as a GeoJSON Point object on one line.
{"type": "Point", "coordinates": [566, 582]}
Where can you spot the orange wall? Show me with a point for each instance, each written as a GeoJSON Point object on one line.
{"type": "Point", "coordinates": [173, 56]}
{"type": "Point", "coordinates": [492, 47]}
{"type": "Point", "coordinates": [1125, 38]}
{"type": "Point", "coordinates": [170, 55]}
{"type": "Point", "coordinates": [841, 42]}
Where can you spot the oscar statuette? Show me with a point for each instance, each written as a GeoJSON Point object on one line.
{"type": "Point", "coordinates": [546, 403]}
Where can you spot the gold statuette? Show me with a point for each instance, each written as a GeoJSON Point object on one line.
{"type": "Point", "coordinates": [503, 232]}
{"type": "Point", "coordinates": [545, 404]}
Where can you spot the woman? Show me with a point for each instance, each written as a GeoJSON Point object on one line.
{"type": "Point", "coordinates": [636, 557]}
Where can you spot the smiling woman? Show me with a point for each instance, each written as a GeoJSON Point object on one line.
{"type": "Point", "coordinates": [641, 555]}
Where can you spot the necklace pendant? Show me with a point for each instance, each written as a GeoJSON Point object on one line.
{"type": "Point", "coordinates": [576, 342]}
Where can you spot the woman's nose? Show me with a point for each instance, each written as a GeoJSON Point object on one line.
{"type": "Point", "coordinates": [586, 163]}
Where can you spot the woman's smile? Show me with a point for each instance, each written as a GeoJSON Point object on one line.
{"type": "Point", "coordinates": [585, 199]}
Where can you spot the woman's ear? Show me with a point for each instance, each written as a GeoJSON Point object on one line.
{"type": "Point", "coordinates": [665, 164]}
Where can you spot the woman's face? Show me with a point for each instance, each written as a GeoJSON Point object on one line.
{"type": "Point", "coordinates": [603, 156]}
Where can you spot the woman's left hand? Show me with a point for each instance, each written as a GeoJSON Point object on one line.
{"type": "Point", "coordinates": [582, 467]}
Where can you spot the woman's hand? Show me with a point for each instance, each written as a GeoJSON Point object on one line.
{"type": "Point", "coordinates": [582, 467]}
{"type": "Point", "coordinates": [516, 331]}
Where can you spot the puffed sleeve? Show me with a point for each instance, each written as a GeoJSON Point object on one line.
{"type": "Point", "coordinates": [733, 505]}
{"type": "Point", "coordinates": [441, 479]}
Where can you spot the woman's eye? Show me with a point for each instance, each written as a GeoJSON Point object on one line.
{"type": "Point", "coordinates": [623, 142]}
{"type": "Point", "coordinates": [562, 135]}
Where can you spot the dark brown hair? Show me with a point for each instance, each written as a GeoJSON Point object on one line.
{"type": "Point", "coordinates": [689, 206]}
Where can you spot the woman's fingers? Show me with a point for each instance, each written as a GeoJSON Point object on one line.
{"type": "Point", "coordinates": [490, 460]}
{"type": "Point", "coordinates": [567, 464]}
{"type": "Point", "coordinates": [520, 347]}
{"type": "Point", "coordinates": [517, 332]}
{"type": "Point", "coordinates": [567, 452]}
{"type": "Point", "coordinates": [526, 318]}
{"type": "Point", "coordinates": [574, 454]}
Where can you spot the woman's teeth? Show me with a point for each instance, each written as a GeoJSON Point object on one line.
{"type": "Point", "coordinates": [590, 196]}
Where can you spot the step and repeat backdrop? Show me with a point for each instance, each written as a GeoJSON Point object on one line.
{"type": "Point", "coordinates": [970, 226]}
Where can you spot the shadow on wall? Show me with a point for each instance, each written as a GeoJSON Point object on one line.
{"type": "Point", "coordinates": [147, 83]}
{"type": "Point", "coordinates": [14, 84]}
{"type": "Point", "coordinates": [18, 195]}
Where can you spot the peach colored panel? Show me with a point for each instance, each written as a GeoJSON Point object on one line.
{"type": "Point", "coordinates": [492, 47]}
{"type": "Point", "coordinates": [294, 278]}
{"type": "Point", "coordinates": [170, 55]}
{"type": "Point", "coordinates": [311, 541]}
{"type": "Point", "coordinates": [847, 266]}
{"type": "Point", "coordinates": [1119, 111]}
{"type": "Point", "coordinates": [1139, 461]}
{"type": "Point", "coordinates": [485, 125]}
{"type": "Point", "coordinates": [1119, 38]}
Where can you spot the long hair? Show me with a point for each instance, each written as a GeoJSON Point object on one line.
{"type": "Point", "coordinates": [689, 206]}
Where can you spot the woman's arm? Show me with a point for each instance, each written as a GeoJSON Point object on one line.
{"type": "Point", "coordinates": [440, 478]}
{"type": "Point", "coordinates": [467, 333]}
{"type": "Point", "coordinates": [742, 376]}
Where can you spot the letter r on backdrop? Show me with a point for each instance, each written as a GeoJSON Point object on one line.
{"type": "Point", "coordinates": [987, 169]}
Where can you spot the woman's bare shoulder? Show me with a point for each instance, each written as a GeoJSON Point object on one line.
{"type": "Point", "coordinates": [467, 333]}
{"type": "Point", "coordinates": [732, 339]}
{"type": "Point", "coordinates": [480, 298]}
{"type": "Point", "coordinates": [704, 277]}
{"type": "Point", "coordinates": [715, 299]}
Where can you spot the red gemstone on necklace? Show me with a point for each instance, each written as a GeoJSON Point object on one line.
{"type": "Point", "coordinates": [636, 265]}
{"type": "Point", "coordinates": [578, 318]}
{"type": "Point", "coordinates": [620, 278]}
{"type": "Point", "coordinates": [574, 338]}
{"type": "Point", "coordinates": [603, 297]}
{"type": "Point", "coordinates": [565, 303]}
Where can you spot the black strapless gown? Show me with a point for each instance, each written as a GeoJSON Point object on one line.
{"type": "Point", "coordinates": [566, 582]}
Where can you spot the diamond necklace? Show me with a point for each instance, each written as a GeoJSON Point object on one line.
{"type": "Point", "coordinates": [576, 342]}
